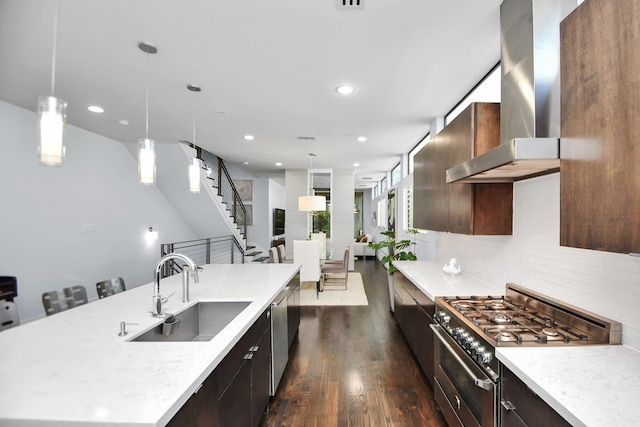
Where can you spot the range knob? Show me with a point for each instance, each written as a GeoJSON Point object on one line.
{"type": "Point", "coordinates": [442, 317]}
{"type": "Point", "coordinates": [470, 343]}
{"type": "Point", "coordinates": [483, 356]}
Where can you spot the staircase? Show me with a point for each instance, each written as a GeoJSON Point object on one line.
{"type": "Point", "coordinates": [255, 254]}
{"type": "Point", "coordinates": [226, 197]}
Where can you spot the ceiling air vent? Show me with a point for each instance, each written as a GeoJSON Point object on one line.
{"type": "Point", "coordinates": [306, 138]}
{"type": "Point", "coordinates": [350, 4]}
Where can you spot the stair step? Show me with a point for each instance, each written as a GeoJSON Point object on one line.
{"type": "Point", "coordinates": [251, 247]}
{"type": "Point", "coordinates": [253, 253]}
{"type": "Point", "coordinates": [261, 259]}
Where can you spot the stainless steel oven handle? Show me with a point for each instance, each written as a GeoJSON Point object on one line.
{"type": "Point", "coordinates": [485, 384]}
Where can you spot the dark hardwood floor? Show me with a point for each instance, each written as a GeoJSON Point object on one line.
{"type": "Point", "coordinates": [351, 366]}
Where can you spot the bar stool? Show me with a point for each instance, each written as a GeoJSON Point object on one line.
{"type": "Point", "coordinates": [64, 299]}
{"type": "Point", "coordinates": [109, 287]}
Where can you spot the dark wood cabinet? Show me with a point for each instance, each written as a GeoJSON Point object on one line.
{"type": "Point", "coordinates": [293, 309]}
{"type": "Point", "coordinates": [481, 209]}
{"type": "Point", "coordinates": [600, 127]}
{"type": "Point", "coordinates": [245, 375]}
{"type": "Point", "coordinates": [414, 313]}
{"type": "Point", "coordinates": [237, 392]}
{"type": "Point", "coordinates": [521, 407]}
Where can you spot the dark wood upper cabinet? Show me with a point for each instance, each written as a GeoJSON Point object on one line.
{"type": "Point", "coordinates": [481, 209]}
{"type": "Point", "coordinates": [600, 127]}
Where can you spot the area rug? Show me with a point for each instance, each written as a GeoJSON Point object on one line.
{"type": "Point", "coordinates": [354, 295]}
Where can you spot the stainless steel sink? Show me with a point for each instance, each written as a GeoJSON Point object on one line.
{"type": "Point", "coordinates": [200, 322]}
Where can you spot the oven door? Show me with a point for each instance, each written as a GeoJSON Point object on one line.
{"type": "Point", "coordinates": [466, 395]}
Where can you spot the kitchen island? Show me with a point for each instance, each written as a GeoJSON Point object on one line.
{"type": "Point", "coordinates": [73, 368]}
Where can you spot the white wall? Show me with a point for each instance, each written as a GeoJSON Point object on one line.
{"type": "Point", "coordinates": [277, 199]}
{"type": "Point", "coordinates": [296, 222]}
{"type": "Point", "coordinates": [342, 224]}
{"type": "Point", "coordinates": [79, 223]}
{"type": "Point", "coordinates": [601, 282]}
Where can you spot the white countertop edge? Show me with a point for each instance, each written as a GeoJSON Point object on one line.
{"type": "Point", "coordinates": [589, 386]}
{"type": "Point", "coordinates": [433, 282]}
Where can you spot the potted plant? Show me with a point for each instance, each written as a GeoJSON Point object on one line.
{"type": "Point", "coordinates": [395, 251]}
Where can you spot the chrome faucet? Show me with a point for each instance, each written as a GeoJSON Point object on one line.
{"type": "Point", "coordinates": [157, 300]}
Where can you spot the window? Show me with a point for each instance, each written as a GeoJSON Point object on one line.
{"type": "Point", "coordinates": [416, 149]}
{"type": "Point", "coordinates": [382, 212]}
{"type": "Point", "coordinates": [487, 90]}
{"type": "Point", "coordinates": [396, 174]}
{"type": "Point", "coordinates": [407, 208]}
{"type": "Point", "coordinates": [383, 185]}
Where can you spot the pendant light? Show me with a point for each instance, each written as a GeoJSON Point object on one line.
{"type": "Point", "coordinates": [195, 164]}
{"type": "Point", "coordinates": [311, 202]}
{"type": "Point", "coordinates": [146, 146]}
{"type": "Point", "coordinates": [52, 114]}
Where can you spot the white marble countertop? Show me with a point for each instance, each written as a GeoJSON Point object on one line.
{"type": "Point", "coordinates": [430, 279]}
{"type": "Point", "coordinates": [590, 386]}
{"type": "Point", "coordinates": [72, 368]}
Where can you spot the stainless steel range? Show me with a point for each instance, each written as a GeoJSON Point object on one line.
{"type": "Point", "coordinates": [469, 328]}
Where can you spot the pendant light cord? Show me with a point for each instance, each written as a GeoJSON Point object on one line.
{"type": "Point", "coordinates": [55, 43]}
{"type": "Point", "coordinates": [147, 102]}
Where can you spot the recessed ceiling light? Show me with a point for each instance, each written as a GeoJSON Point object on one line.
{"type": "Point", "coordinates": [345, 90]}
{"type": "Point", "coordinates": [123, 122]}
{"type": "Point", "coordinates": [95, 109]}
{"type": "Point", "coordinates": [356, 164]}
{"type": "Point", "coordinates": [278, 164]}
{"type": "Point", "coordinates": [245, 163]}
{"type": "Point", "coordinates": [362, 138]}
{"type": "Point", "coordinates": [249, 137]}
{"type": "Point", "coordinates": [221, 111]}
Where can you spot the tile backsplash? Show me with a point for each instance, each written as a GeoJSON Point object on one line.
{"type": "Point", "coordinates": [601, 282]}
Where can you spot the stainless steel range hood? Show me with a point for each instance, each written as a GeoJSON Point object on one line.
{"type": "Point", "coordinates": [530, 107]}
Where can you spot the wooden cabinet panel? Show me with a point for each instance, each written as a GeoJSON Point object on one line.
{"type": "Point", "coordinates": [431, 197]}
{"type": "Point", "coordinates": [600, 146]}
{"type": "Point", "coordinates": [260, 378]}
{"type": "Point", "coordinates": [522, 407]}
{"type": "Point", "coordinates": [235, 401]}
{"type": "Point", "coordinates": [414, 313]}
{"type": "Point", "coordinates": [237, 392]}
{"type": "Point", "coordinates": [202, 407]}
{"type": "Point", "coordinates": [293, 309]}
{"type": "Point", "coordinates": [483, 209]}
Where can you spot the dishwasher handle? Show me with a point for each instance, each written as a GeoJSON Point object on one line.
{"type": "Point", "coordinates": [280, 298]}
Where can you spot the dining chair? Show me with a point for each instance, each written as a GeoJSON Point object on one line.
{"type": "Point", "coordinates": [282, 254]}
{"type": "Point", "coordinates": [335, 274]}
{"type": "Point", "coordinates": [109, 287]}
{"type": "Point", "coordinates": [307, 254]}
{"type": "Point", "coordinates": [273, 256]}
{"type": "Point", "coordinates": [64, 299]}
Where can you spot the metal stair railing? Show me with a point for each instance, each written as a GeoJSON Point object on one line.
{"type": "Point", "coordinates": [227, 190]}
{"type": "Point", "coordinates": [212, 250]}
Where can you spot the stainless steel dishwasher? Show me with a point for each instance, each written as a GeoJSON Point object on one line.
{"type": "Point", "coordinates": [279, 339]}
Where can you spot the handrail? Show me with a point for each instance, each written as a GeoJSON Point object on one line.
{"type": "Point", "coordinates": [211, 250]}
{"type": "Point", "coordinates": [227, 190]}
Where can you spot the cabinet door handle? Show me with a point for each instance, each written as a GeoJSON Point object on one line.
{"type": "Point", "coordinates": [254, 348]}
{"type": "Point", "coordinates": [507, 405]}
{"type": "Point", "coordinates": [198, 389]}
{"type": "Point", "coordinates": [248, 356]}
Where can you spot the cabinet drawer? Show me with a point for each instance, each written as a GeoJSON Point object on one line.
{"type": "Point", "coordinates": [233, 361]}
{"type": "Point", "coordinates": [525, 407]}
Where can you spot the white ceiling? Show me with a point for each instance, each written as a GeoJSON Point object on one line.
{"type": "Point", "coordinates": [271, 65]}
